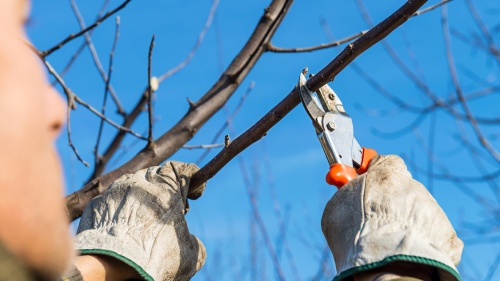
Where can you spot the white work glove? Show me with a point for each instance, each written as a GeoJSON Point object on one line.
{"type": "Point", "coordinates": [385, 216]}
{"type": "Point", "coordinates": [140, 221]}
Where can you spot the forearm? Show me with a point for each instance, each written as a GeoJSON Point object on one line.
{"type": "Point", "coordinates": [101, 268]}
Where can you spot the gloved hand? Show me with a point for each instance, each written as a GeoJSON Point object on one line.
{"type": "Point", "coordinates": [385, 216]}
{"type": "Point", "coordinates": [140, 221]}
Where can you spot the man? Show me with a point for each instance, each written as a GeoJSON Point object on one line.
{"type": "Point", "coordinates": [33, 225]}
{"type": "Point", "coordinates": [378, 226]}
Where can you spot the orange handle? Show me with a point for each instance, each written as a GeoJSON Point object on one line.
{"type": "Point", "coordinates": [340, 174]}
{"type": "Point", "coordinates": [368, 154]}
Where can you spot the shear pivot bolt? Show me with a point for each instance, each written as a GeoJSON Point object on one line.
{"type": "Point", "coordinates": [331, 96]}
{"type": "Point", "coordinates": [331, 126]}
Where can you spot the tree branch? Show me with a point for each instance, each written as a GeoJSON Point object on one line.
{"type": "Point", "coordinates": [150, 94]}
{"type": "Point", "coordinates": [201, 36]}
{"type": "Point", "coordinates": [458, 89]}
{"type": "Point", "coordinates": [275, 49]}
{"type": "Point", "coordinates": [324, 76]}
{"type": "Point", "coordinates": [77, 53]}
{"type": "Point", "coordinates": [202, 110]}
{"type": "Point", "coordinates": [72, 98]}
{"type": "Point", "coordinates": [106, 89]}
{"type": "Point", "coordinates": [83, 31]}
{"type": "Point", "coordinates": [95, 57]}
{"type": "Point", "coordinates": [130, 118]}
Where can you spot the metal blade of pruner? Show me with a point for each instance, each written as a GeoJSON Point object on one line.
{"type": "Point", "coordinates": [333, 125]}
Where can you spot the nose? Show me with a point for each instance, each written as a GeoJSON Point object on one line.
{"type": "Point", "coordinates": [56, 112]}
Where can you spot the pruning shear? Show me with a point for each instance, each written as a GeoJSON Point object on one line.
{"type": "Point", "coordinates": [335, 132]}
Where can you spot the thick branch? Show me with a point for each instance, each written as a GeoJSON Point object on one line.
{"type": "Point", "coordinates": [198, 114]}
{"type": "Point", "coordinates": [138, 108]}
{"type": "Point", "coordinates": [324, 76]}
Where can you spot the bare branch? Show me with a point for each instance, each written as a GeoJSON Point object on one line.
{"type": "Point", "coordinates": [433, 7]}
{"type": "Point", "coordinates": [493, 269]}
{"type": "Point", "coordinates": [191, 54]}
{"type": "Point", "coordinates": [458, 89]}
{"type": "Point", "coordinates": [70, 142]}
{"type": "Point", "coordinates": [82, 46]}
{"type": "Point", "coordinates": [150, 94]}
{"type": "Point", "coordinates": [324, 76]}
{"type": "Point", "coordinates": [197, 115]}
{"type": "Point", "coordinates": [83, 31]}
{"type": "Point", "coordinates": [130, 118]}
{"type": "Point", "coordinates": [258, 219]}
{"type": "Point", "coordinates": [72, 98]}
{"type": "Point", "coordinates": [492, 48]}
{"type": "Point", "coordinates": [106, 89]}
{"type": "Point", "coordinates": [275, 49]}
{"type": "Point", "coordinates": [419, 82]}
{"type": "Point", "coordinates": [228, 120]}
{"type": "Point", "coordinates": [95, 57]}
{"type": "Point", "coordinates": [204, 146]}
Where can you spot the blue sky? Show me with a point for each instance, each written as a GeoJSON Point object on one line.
{"type": "Point", "coordinates": [290, 154]}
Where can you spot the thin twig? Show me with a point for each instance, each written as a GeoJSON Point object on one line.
{"type": "Point", "coordinates": [150, 94]}
{"type": "Point", "coordinates": [191, 54]}
{"type": "Point", "coordinates": [72, 98]}
{"type": "Point", "coordinates": [130, 118]}
{"type": "Point", "coordinates": [458, 89]}
{"type": "Point", "coordinates": [275, 49]}
{"type": "Point", "coordinates": [437, 103]}
{"type": "Point", "coordinates": [203, 146]}
{"type": "Point", "coordinates": [70, 142]}
{"type": "Point", "coordinates": [477, 158]}
{"type": "Point", "coordinates": [420, 83]}
{"type": "Point", "coordinates": [77, 53]}
{"type": "Point", "coordinates": [423, 11]}
{"type": "Point", "coordinates": [95, 57]}
{"type": "Point", "coordinates": [445, 174]}
{"type": "Point", "coordinates": [228, 120]}
{"type": "Point", "coordinates": [106, 89]}
{"type": "Point", "coordinates": [492, 48]}
{"type": "Point", "coordinates": [258, 219]}
{"type": "Point", "coordinates": [83, 31]}
{"type": "Point", "coordinates": [282, 219]}
{"type": "Point", "coordinates": [493, 268]}
{"type": "Point", "coordinates": [431, 145]}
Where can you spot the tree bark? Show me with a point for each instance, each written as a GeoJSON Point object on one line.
{"type": "Point", "coordinates": [198, 114]}
{"type": "Point", "coordinates": [325, 75]}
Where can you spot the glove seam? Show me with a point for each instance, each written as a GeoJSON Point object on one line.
{"type": "Point", "coordinates": [362, 224]}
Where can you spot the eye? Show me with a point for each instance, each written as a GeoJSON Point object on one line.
{"type": "Point", "coordinates": [24, 10]}
{"type": "Point", "coordinates": [28, 22]}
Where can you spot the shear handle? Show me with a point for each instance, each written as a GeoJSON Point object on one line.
{"type": "Point", "coordinates": [340, 174]}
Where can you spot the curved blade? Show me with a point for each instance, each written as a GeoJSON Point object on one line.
{"type": "Point", "coordinates": [310, 100]}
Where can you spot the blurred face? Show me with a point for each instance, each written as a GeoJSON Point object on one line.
{"type": "Point", "coordinates": [32, 215]}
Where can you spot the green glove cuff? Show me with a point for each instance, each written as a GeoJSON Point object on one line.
{"type": "Point", "coordinates": [445, 272]}
{"type": "Point", "coordinates": [132, 264]}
